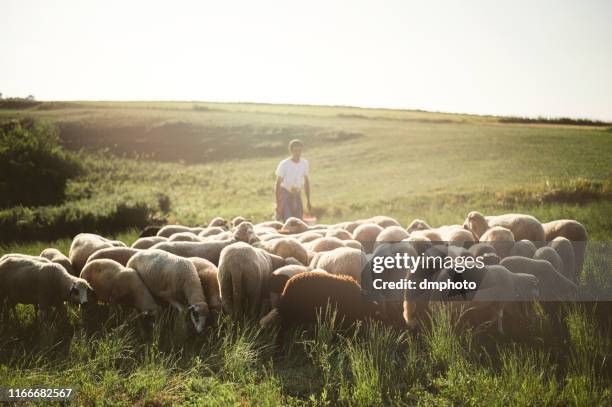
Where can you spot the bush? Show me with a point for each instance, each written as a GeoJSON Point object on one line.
{"type": "Point", "coordinates": [54, 222]}
{"type": "Point", "coordinates": [34, 167]}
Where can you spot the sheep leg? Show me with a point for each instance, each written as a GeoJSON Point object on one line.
{"type": "Point", "coordinates": [500, 321]}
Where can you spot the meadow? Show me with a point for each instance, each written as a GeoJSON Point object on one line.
{"type": "Point", "coordinates": [190, 161]}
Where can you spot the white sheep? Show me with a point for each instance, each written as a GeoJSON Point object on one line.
{"type": "Point", "coordinates": [521, 226]}
{"type": "Point", "coordinates": [285, 247]}
{"type": "Point", "coordinates": [58, 257]}
{"type": "Point", "coordinates": [366, 234]}
{"type": "Point", "coordinates": [565, 249]}
{"type": "Point", "coordinates": [523, 248]}
{"type": "Point", "coordinates": [184, 237]}
{"type": "Point", "coordinates": [148, 242]}
{"type": "Point", "coordinates": [209, 279]}
{"type": "Point", "coordinates": [575, 232]}
{"type": "Point", "coordinates": [173, 279]}
{"type": "Point", "coordinates": [84, 245]}
{"type": "Point", "coordinates": [343, 260]}
{"type": "Point", "coordinates": [119, 254]}
{"type": "Point", "coordinates": [500, 238]}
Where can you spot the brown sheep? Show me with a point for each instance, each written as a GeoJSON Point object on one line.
{"type": "Point", "coordinates": [521, 226]}
{"type": "Point", "coordinates": [173, 279]}
{"type": "Point", "coordinates": [58, 257]}
{"type": "Point", "coordinates": [307, 295]}
{"type": "Point", "coordinates": [500, 238]}
{"type": "Point", "coordinates": [44, 284]}
{"type": "Point", "coordinates": [209, 278]}
{"type": "Point", "coordinates": [115, 284]}
{"type": "Point", "coordinates": [575, 232]}
{"type": "Point", "coordinates": [244, 272]}
{"type": "Point", "coordinates": [120, 254]}
{"type": "Point", "coordinates": [148, 242]}
{"type": "Point", "coordinates": [279, 279]}
{"type": "Point", "coordinates": [366, 234]}
{"type": "Point", "coordinates": [565, 249]}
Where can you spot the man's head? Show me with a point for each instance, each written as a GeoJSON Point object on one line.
{"type": "Point", "coordinates": [295, 148]}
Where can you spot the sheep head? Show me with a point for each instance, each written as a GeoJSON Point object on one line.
{"type": "Point", "coordinates": [417, 224]}
{"type": "Point", "coordinates": [476, 223]}
{"type": "Point", "coordinates": [80, 291]}
{"type": "Point", "coordinates": [198, 313]}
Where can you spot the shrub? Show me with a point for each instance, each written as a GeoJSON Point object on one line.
{"type": "Point", "coordinates": [34, 167]}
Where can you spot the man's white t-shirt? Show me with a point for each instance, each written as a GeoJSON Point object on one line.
{"type": "Point", "coordinates": [292, 173]}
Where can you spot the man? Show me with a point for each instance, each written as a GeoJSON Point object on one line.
{"type": "Point", "coordinates": [291, 178]}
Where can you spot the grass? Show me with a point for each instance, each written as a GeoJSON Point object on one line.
{"type": "Point", "coordinates": [213, 159]}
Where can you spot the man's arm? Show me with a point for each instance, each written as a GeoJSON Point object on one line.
{"type": "Point", "coordinates": [307, 191]}
{"type": "Point", "coordinates": [277, 194]}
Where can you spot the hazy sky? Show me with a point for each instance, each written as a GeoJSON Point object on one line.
{"type": "Point", "coordinates": [510, 57]}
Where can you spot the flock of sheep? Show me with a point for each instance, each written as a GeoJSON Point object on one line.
{"type": "Point", "coordinates": [285, 273]}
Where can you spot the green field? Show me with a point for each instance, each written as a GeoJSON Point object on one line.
{"type": "Point", "coordinates": [219, 159]}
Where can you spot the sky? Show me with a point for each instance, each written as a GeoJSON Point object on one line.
{"type": "Point", "coordinates": [515, 57]}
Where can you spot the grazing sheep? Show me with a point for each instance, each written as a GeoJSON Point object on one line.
{"type": "Point", "coordinates": [420, 243]}
{"type": "Point", "coordinates": [209, 278]}
{"type": "Point", "coordinates": [115, 284]}
{"type": "Point", "coordinates": [549, 254]}
{"type": "Point", "coordinates": [521, 226]}
{"type": "Point", "coordinates": [354, 244]}
{"type": "Point", "coordinates": [324, 244]}
{"type": "Point", "coordinates": [169, 230]}
{"type": "Point", "coordinates": [84, 245]}
{"type": "Point", "coordinates": [173, 279]}
{"type": "Point", "coordinates": [278, 281]}
{"type": "Point", "coordinates": [351, 226]}
{"type": "Point", "coordinates": [566, 251]}
{"type": "Point", "coordinates": [244, 272]}
{"type": "Point", "coordinates": [148, 242]}
{"type": "Point", "coordinates": [384, 221]}
{"type": "Point", "coordinates": [308, 236]}
{"type": "Point", "coordinates": [211, 231]}
{"type": "Point", "coordinates": [575, 232]}
{"type": "Point", "coordinates": [308, 294]}
{"type": "Point", "coordinates": [184, 237]}
{"type": "Point", "coordinates": [270, 224]}
{"type": "Point", "coordinates": [500, 238]}
{"type": "Point", "coordinates": [44, 284]}
{"type": "Point", "coordinates": [218, 221]}
{"type": "Point", "coordinates": [392, 234]}
{"type": "Point", "coordinates": [459, 237]}
{"type": "Point", "coordinates": [340, 234]}
{"type": "Point", "coordinates": [553, 285]}
{"type": "Point", "coordinates": [343, 260]}
{"type": "Point", "coordinates": [430, 234]}
{"type": "Point", "coordinates": [245, 232]}
{"type": "Point", "coordinates": [366, 234]}
{"type": "Point", "coordinates": [417, 224]}
{"type": "Point", "coordinates": [120, 254]}
{"type": "Point", "coordinates": [285, 247]}
{"type": "Point", "coordinates": [205, 250]}
{"type": "Point", "coordinates": [58, 257]}
{"type": "Point", "coordinates": [523, 248]}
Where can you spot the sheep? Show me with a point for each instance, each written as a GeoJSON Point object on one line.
{"type": "Point", "coordinates": [148, 242]}
{"type": "Point", "coordinates": [184, 237]}
{"type": "Point", "coordinates": [340, 234]}
{"type": "Point", "coordinates": [270, 224]}
{"type": "Point", "coordinates": [354, 244]}
{"type": "Point", "coordinates": [307, 295]}
{"type": "Point", "coordinates": [500, 238]}
{"type": "Point", "coordinates": [553, 285]}
{"type": "Point", "coordinates": [285, 247]}
{"type": "Point", "coordinates": [366, 234]}
{"type": "Point", "coordinates": [293, 226]}
{"type": "Point", "coordinates": [430, 234]}
{"type": "Point", "coordinates": [44, 284]}
{"type": "Point", "coordinates": [384, 221]}
{"type": "Point", "coordinates": [211, 231]}
{"type": "Point", "coordinates": [238, 220]}
{"type": "Point", "coordinates": [173, 279]}
{"type": "Point", "coordinates": [523, 248]}
{"type": "Point", "coordinates": [521, 226]}
{"type": "Point", "coordinates": [169, 230]}
{"type": "Point", "coordinates": [343, 260]}
{"type": "Point", "coordinates": [58, 257]}
{"type": "Point", "coordinates": [26, 256]}
{"type": "Point", "coordinates": [245, 232]}
{"type": "Point", "coordinates": [351, 226]}
{"type": "Point", "coordinates": [309, 236]}
{"type": "Point", "coordinates": [218, 221]}
{"type": "Point", "coordinates": [392, 234]}
{"type": "Point", "coordinates": [324, 244]}
{"type": "Point", "coordinates": [575, 232]}
{"type": "Point", "coordinates": [244, 272]}
{"type": "Point", "coordinates": [206, 250]}
{"type": "Point", "coordinates": [566, 251]}
{"type": "Point", "coordinates": [115, 284]}
{"type": "Point", "coordinates": [482, 248]}
{"type": "Point", "coordinates": [549, 254]}
{"type": "Point", "coordinates": [120, 254]}
{"type": "Point", "coordinates": [226, 235]}
{"type": "Point", "coordinates": [417, 224]}
{"type": "Point", "coordinates": [278, 280]}
{"type": "Point", "coordinates": [497, 286]}
{"type": "Point", "coordinates": [209, 279]}
{"type": "Point", "coordinates": [84, 245]}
